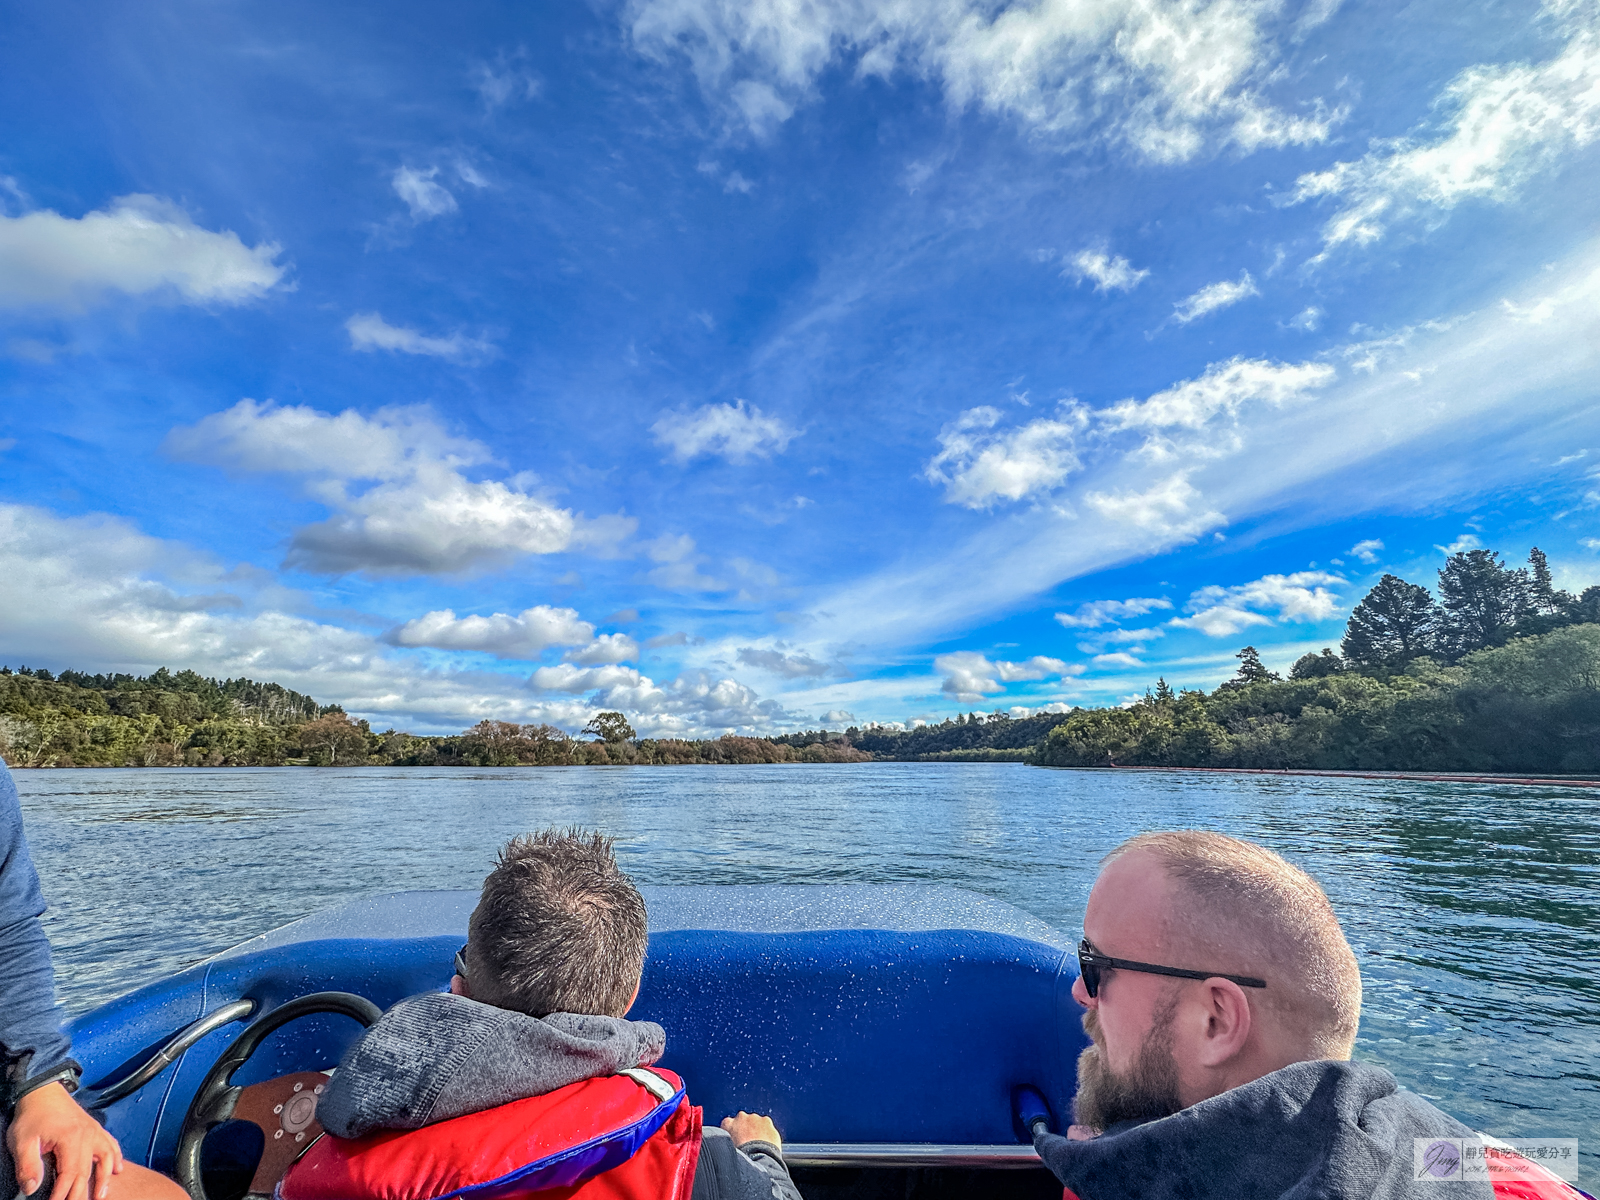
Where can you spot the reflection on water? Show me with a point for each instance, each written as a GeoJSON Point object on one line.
{"type": "Point", "coordinates": [1474, 908]}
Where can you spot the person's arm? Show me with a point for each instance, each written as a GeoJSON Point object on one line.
{"type": "Point", "coordinates": [39, 1072]}
{"type": "Point", "coordinates": [743, 1160]}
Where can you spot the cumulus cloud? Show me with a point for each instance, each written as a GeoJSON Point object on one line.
{"type": "Point", "coordinates": [1214, 296]}
{"type": "Point", "coordinates": [139, 246]}
{"type": "Point", "coordinates": [94, 589]}
{"type": "Point", "coordinates": [1095, 613]}
{"type": "Point", "coordinates": [1171, 509]}
{"type": "Point", "coordinates": [1307, 319]}
{"type": "Point", "coordinates": [1109, 274]}
{"type": "Point", "coordinates": [1303, 596]}
{"type": "Point", "coordinates": [1162, 78]}
{"type": "Point", "coordinates": [731, 431]}
{"type": "Point", "coordinates": [525, 635]}
{"type": "Point", "coordinates": [980, 466]}
{"type": "Point", "coordinates": [1495, 129]}
{"type": "Point", "coordinates": [970, 676]}
{"type": "Point", "coordinates": [1119, 658]}
{"type": "Point", "coordinates": [791, 666]}
{"type": "Point", "coordinates": [369, 332]}
{"type": "Point", "coordinates": [421, 514]}
{"type": "Point", "coordinates": [1467, 541]}
{"type": "Point", "coordinates": [424, 196]}
{"type": "Point", "coordinates": [1366, 550]}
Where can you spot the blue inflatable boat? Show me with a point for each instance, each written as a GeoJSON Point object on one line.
{"type": "Point", "coordinates": [903, 1037]}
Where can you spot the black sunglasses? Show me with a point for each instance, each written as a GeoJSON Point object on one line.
{"type": "Point", "coordinates": [1091, 963]}
{"type": "Point", "coordinates": [461, 962]}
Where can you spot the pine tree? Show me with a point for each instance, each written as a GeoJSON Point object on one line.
{"type": "Point", "coordinates": [1251, 670]}
{"type": "Point", "coordinates": [1163, 693]}
{"type": "Point", "coordinates": [1316, 666]}
{"type": "Point", "coordinates": [1544, 598]}
{"type": "Point", "coordinates": [1397, 622]}
{"type": "Point", "coordinates": [1483, 600]}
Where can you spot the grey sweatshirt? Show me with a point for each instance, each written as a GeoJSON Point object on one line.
{"type": "Point", "coordinates": [1314, 1129]}
{"type": "Point", "coordinates": [434, 1057]}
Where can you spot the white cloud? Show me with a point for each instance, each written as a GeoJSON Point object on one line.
{"type": "Point", "coordinates": [838, 716]}
{"type": "Point", "coordinates": [790, 666]}
{"type": "Point", "coordinates": [525, 635]}
{"type": "Point", "coordinates": [1302, 596]}
{"type": "Point", "coordinates": [369, 331]}
{"type": "Point", "coordinates": [1589, 543]}
{"type": "Point", "coordinates": [1366, 550]}
{"type": "Point", "coordinates": [1214, 296]}
{"type": "Point", "coordinates": [980, 467]}
{"type": "Point", "coordinates": [140, 246]}
{"type": "Point", "coordinates": [504, 83]}
{"type": "Point", "coordinates": [1118, 659]}
{"type": "Point", "coordinates": [425, 198]}
{"type": "Point", "coordinates": [1163, 78]}
{"type": "Point", "coordinates": [607, 648]}
{"type": "Point", "coordinates": [93, 592]}
{"type": "Point", "coordinates": [1221, 392]}
{"type": "Point", "coordinates": [730, 431]}
{"type": "Point", "coordinates": [679, 570]}
{"type": "Point", "coordinates": [970, 676]}
{"type": "Point", "coordinates": [1110, 274]}
{"type": "Point", "coordinates": [1307, 319]}
{"type": "Point", "coordinates": [421, 516]}
{"type": "Point", "coordinates": [1467, 541]}
{"type": "Point", "coordinates": [1171, 509]}
{"type": "Point", "coordinates": [1498, 126]}
{"type": "Point", "coordinates": [1100, 612]}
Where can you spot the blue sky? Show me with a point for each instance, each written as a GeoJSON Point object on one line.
{"type": "Point", "coordinates": [750, 366]}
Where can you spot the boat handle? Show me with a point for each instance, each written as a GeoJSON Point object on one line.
{"type": "Point", "coordinates": [166, 1054]}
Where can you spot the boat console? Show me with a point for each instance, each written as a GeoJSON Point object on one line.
{"type": "Point", "coordinates": [903, 1037]}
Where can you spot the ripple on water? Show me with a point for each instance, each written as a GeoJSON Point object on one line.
{"type": "Point", "coordinates": [1474, 908]}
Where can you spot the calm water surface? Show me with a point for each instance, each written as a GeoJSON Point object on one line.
{"type": "Point", "coordinates": [1474, 908]}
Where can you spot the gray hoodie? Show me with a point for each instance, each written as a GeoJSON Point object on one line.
{"type": "Point", "coordinates": [1326, 1130]}
{"type": "Point", "coordinates": [437, 1056]}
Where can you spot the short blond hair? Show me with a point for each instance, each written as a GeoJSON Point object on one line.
{"type": "Point", "coordinates": [1247, 911]}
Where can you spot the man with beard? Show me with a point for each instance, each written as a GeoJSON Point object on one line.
{"type": "Point", "coordinates": [1222, 1002]}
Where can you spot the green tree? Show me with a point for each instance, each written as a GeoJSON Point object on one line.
{"type": "Point", "coordinates": [1482, 599]}
{"type": "Point", "coordinates": [610, 727]}
{"type": "Point", "coordinates": [1316, 666]}
{"type": "Point", "coordinates": [1398, 621]}
{"type": "Point", "coordinates": [1250, 670]}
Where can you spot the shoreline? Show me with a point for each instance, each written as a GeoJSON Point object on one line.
{"type": "Point", "coordinates": [1415, 776]}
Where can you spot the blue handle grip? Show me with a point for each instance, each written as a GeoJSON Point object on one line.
{"type": "Point", "coordinates": [1032, 1112]}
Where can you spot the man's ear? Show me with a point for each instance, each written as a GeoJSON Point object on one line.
{"type": "Point", "coordinates": [1228, 1021]}
{"type": "Point", "coordinates": [635, 999]}
{"type": "Point", "coordinates": [458, 987]}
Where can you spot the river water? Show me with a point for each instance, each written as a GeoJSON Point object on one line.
{"type": "Point", "coordinates": [1474, 908]}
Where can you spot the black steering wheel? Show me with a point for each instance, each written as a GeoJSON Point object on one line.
{"type": "Point", "coordinates": [283, 1108]}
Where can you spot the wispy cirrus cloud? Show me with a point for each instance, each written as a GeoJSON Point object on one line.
{"type": "Point", "coordinates": [1162, 79]}
{"type": "Point", "coordinates": [369, 332]}
{"type": "Point", "coordinates": [1214, 296]}
{"type": "Point", "coordinates": [1095, 613]}
{"type": "Point", "coordinates": [1496, 128]}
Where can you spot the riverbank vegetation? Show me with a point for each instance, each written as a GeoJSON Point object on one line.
{"type": "Point", "coordinates": [1500, 672]}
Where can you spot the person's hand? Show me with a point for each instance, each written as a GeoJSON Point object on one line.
{"type": "Point", "coordinates": [1081, 1133]}
{"type": "Point", "coordinates": [49, 1121]}
{"type": "Point", "coordinates": [752, 1127]}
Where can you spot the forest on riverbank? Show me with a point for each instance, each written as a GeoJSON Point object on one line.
{"type": "Point", "coordinates": [1499, 672]}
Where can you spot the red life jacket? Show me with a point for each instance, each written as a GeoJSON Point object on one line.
{"type": "Point", "coordinates": [632, 1136]}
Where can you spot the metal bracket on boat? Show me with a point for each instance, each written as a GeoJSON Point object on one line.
{"type": "Point", "coordinates": [908, 1154]}
{"type": "Point", "coordinates": [167, 1053]}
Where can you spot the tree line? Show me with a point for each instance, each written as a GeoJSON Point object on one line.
{"type": "Point", "coordinates": [1499, 673]}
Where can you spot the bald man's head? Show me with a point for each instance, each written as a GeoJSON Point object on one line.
{"type": "Point", "coordinates": [1240, 908]}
